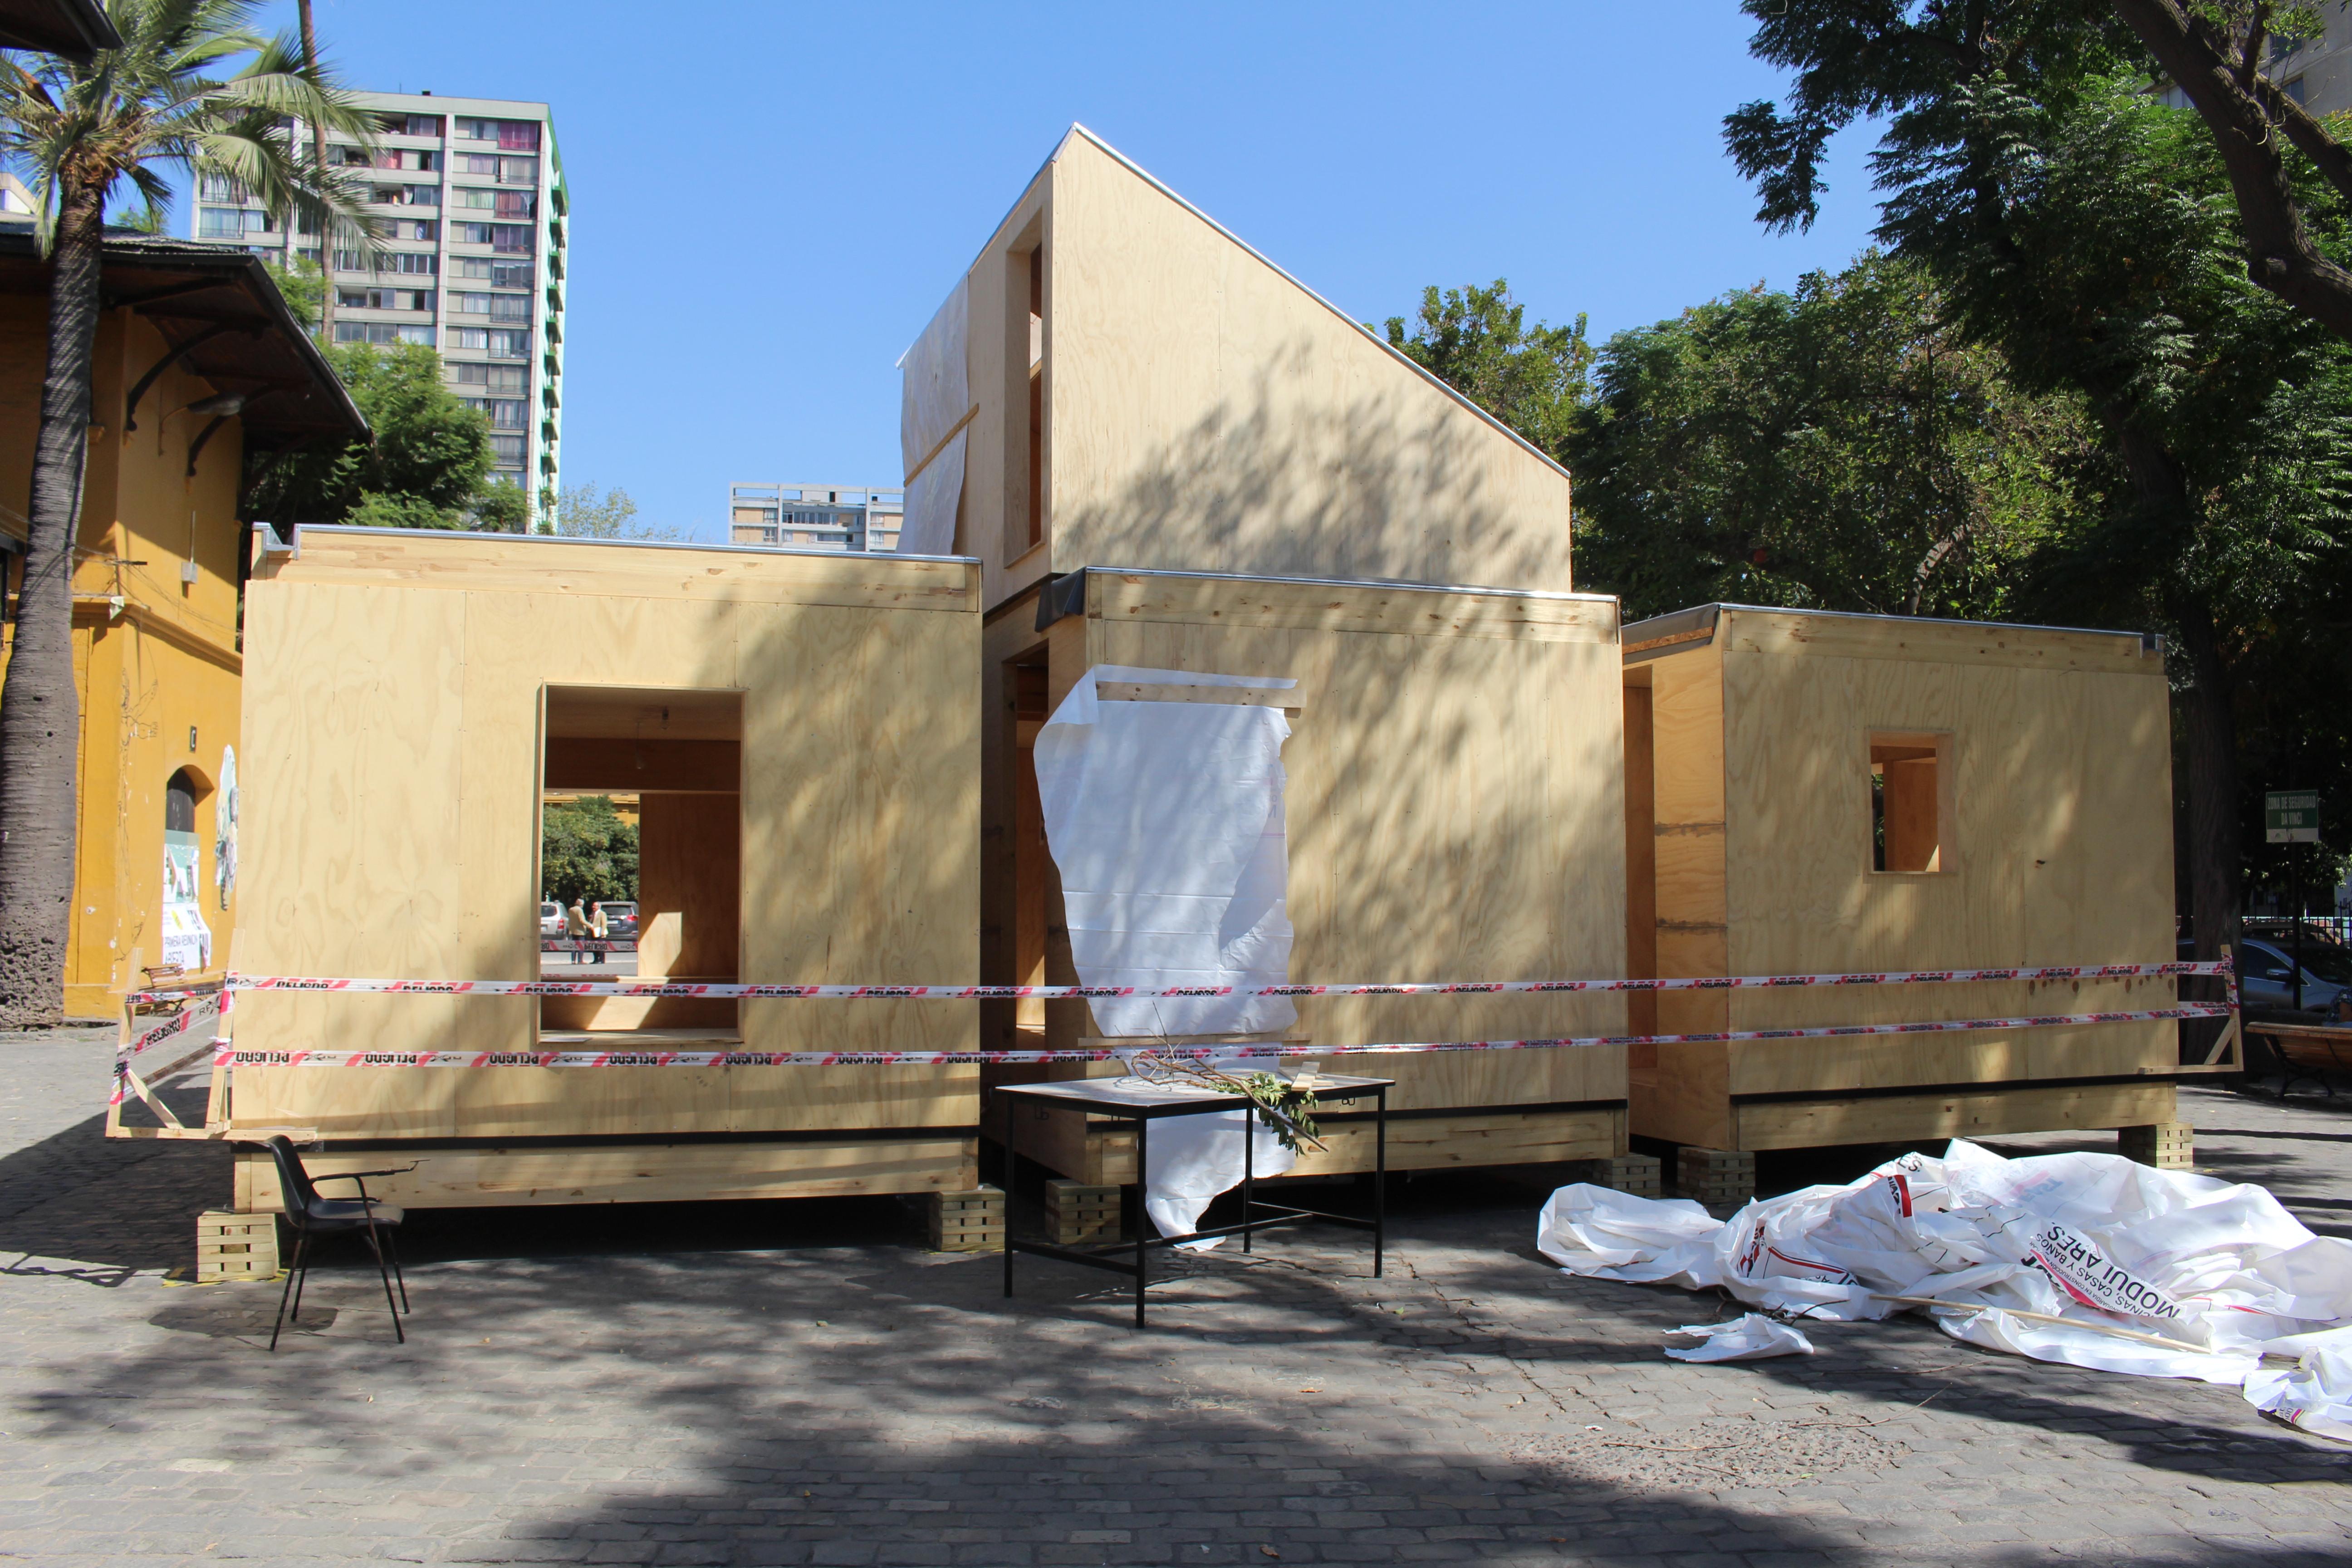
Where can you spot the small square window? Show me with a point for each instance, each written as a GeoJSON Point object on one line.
{"type": "Point", "coordinates": [1909, 815]}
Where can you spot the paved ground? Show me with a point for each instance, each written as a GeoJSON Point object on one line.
{"type": "Point", "coordinates": [800, 1384]}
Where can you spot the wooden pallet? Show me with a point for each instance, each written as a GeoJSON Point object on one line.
{"type": "Point", "coordinates": [969, 1220]}
{"type": "Point", "coordinates": [1643, 1175]}
{"type": "Point", "coordinates": [231, 1245]}
{"type": "Point", "coordinates": [1076, 1213]}
{"type": "Point", "coordinates": [1716, 1175]}
{"type": "Point", "coordinates": [2167, 1145]}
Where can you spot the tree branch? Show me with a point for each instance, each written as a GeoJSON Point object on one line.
{"type": "Point", "coordinates": [2280, 255]}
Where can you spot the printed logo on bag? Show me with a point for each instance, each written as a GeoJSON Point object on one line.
{"type": "Point", "coordinates": [2089, 1275]}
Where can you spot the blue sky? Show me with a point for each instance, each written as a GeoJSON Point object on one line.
{"type": "Point", "coordinates": [771, 199]}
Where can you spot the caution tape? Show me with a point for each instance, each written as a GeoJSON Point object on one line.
{"type": "Point", "coordinates": [726, 990]}
{"type": "Point", "coordinates": [203, 1008]}
{"type": "Point", "coordinates": [1270, 1050]}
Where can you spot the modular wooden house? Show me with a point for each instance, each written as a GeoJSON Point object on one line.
{"type": "Point", "coordinates": [800, 729]}
{"type": "Point", "coordinates": [1171, 455]}
{"type": "Point", "coordinates": [1811, 793]}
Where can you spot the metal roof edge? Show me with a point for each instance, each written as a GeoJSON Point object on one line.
{"type": "Point", "coordinates": [343, 527]}
{"type": "Point", "coordinates": [1659, 625]}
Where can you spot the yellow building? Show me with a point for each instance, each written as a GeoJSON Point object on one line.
{"type": "Point", "coordinates": [198, 363]}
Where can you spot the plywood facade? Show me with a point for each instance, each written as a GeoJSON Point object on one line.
{"type": "Point", "coordinates": [1453, 812]}
{"type": "Point", "coordinates": [2050, 756]}
{"type": "Point", "coordinates": [410, 697]}
{"type": "Point", "coordinates": [1196, 409]}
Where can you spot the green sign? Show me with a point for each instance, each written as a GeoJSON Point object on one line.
{"type": "Point", "coordinates": [2291, 816]}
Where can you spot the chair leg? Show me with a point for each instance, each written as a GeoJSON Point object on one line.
{"type": "Point", "coordinates": [301, 1278]}
{"type": "Point", "coordinates": [292, 1274]}
{"type": "Point", "coordinates": [375, 1244]}
{"type": "Point", "coordinates": [391, 1239]}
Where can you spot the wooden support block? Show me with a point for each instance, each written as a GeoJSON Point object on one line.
{"type": "Point", "coordinates": [1716, 1175]}
{"type": "Point", "coordinates": [232, 1246]}
{"type": "Point", "coordinates": [969, 1220]}
{"type": "Point", "coordinates": [1076, 1213]}
{"type": "Point", "coordinates": [2167, 1145]}
{"type": "Point", "coordinates": [1643, 1175]}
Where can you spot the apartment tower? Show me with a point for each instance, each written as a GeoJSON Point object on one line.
{"type": "Point", "coordinates": [472, 216]}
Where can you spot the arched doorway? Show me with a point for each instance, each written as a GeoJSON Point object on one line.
{"type": "Point", "coordinates": [187, 940]}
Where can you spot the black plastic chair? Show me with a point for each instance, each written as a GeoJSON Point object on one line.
{"type": "Point", "coordinates": [313, 1217]}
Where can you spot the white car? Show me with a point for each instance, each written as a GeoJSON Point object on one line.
{"type": "Point", "coordinates": [551, 918]}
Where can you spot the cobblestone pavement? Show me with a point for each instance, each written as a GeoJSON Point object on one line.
{"type": "Point", "coordinates": [801, 1384]}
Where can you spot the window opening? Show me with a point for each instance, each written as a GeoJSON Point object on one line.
{"type": "Point", "coordinates": [641, 822]}
{"type": "Point", "coordinates": [1037, 394]}
{"type": "Point", "coordinates": [1907, 810]}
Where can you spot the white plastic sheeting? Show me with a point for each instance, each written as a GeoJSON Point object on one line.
{"type": "Point", "coordinates": [1752, 1338]}
{"type": "Point", "coordinates": [1194, 1158]}
{"type": "Point", "coordinates": [1165, 820]}
{"type": "Point", "coordinates": [929, 526]}
{"type": "Point", "coordinates": [935, 394]}
{"type": "Point", "coordinates": [2218, 1269]}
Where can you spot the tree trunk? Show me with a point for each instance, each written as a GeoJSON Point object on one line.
{"type": "Point", "coordinates": [2210, 726]}
{"type": "Point", "coordinates": [40, 718]}
{"type": "Point", "coordinates": [319, 162]}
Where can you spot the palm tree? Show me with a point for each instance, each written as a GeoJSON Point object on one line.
{"type": "Point", "coordinates": [77, 129]}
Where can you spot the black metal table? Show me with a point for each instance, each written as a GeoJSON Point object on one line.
{"type": "Point", "coordinates": [1124, 1101]}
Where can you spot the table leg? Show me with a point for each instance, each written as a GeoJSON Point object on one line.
{"type": "Point", "coordinates": [1380, 1177]}
{"type": "Point", "coordinates": [1143, 1216]}
{"type": "Point", "coordinates": [1249, 1171]}
{"type": "Point", "coordinates": [1006, 1100]}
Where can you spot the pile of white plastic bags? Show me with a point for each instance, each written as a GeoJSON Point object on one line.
{"type": "Point", "coordinates": [2090, 1259]}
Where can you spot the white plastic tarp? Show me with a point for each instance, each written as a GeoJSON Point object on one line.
{"type": "Point", "coordinates": [1751, 1337]}
{"type": "Point", "coordinates": [1194, 1158]}
{"type": "Point", "coordinates": [935, 394]}
{"type": "Point", "coordinates": [1165, 820]}
{"type": "Point", "coordinates": [2102, 1243]}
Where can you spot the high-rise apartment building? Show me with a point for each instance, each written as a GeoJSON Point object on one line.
{"type": "Point", "coordinates": [819, 517]}
{"type": "Point", "coordinates": [473, 220]}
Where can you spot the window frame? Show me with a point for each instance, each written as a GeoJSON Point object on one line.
{"type": "Point", "coordinates": [1944, 860]}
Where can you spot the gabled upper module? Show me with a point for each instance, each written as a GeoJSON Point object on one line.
{"type": "Point", "coordinates": [1120, 381]}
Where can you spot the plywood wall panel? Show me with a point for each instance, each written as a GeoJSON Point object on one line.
{"type": "Point", "coordinates": [1455, 813]}
{"type": "Point", "coordinates": [394, 755]}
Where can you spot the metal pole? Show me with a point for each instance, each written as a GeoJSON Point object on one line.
{"type": "Point", "coordinates": [2296, 857]}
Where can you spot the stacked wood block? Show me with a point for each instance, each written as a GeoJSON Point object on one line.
{"type": "Point", "coordinates": [969, 1220]}
{"type": "Point", "coordinates": [231, 1245]}
{"type": "Point", "coordinates": [1643, 1175]}
{"type": "Point", "coordinates": [1716, 1175]}
{"type": "Point", "coordinates": [2167, 1145]}
{"type": "Point", "coordinates": [1076, 1213]}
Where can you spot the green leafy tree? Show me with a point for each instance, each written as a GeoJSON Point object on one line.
{"type": "Point", "coordinates": [2093, 235]}
{"type": "Point", "coordinates": [1477, 341]}
{"type": "Point", "coordinates": [586, 851]}
{"type": "Point", "coordinates": [502, 507]}
{"type": "Point", "coordinates": [1841, 447]}
{"type": "Point", "coordinates": [82, 131]}
{"type": "Point", "coordinates": [2217, 52]}
{"type": "Point", "coordinates": [428, 467]}
{"type": "Point", "coordinates": [582, 513]}
{"type": "Point", "coordinates": [304, 285]}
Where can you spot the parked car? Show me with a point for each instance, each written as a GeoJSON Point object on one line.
{"type": "Point", "coordinates": [551, 918]}
{"type": "Point", "coordinates": [2266, 973]}
{"type": "Point", "coordinates": [621, 920]}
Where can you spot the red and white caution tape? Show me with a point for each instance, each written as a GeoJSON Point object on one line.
{"type": "Point", "coordinates": [202, 1008]}
{"type": "Point", "coordinates": [718, 990]}
{"type": "Point", "coordinates": [645, 1058]}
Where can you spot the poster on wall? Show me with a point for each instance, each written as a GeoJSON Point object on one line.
{"type": "Point", "coordinates": [225, 827]}
{"type": "Point", "coordinates": [187, 940]}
